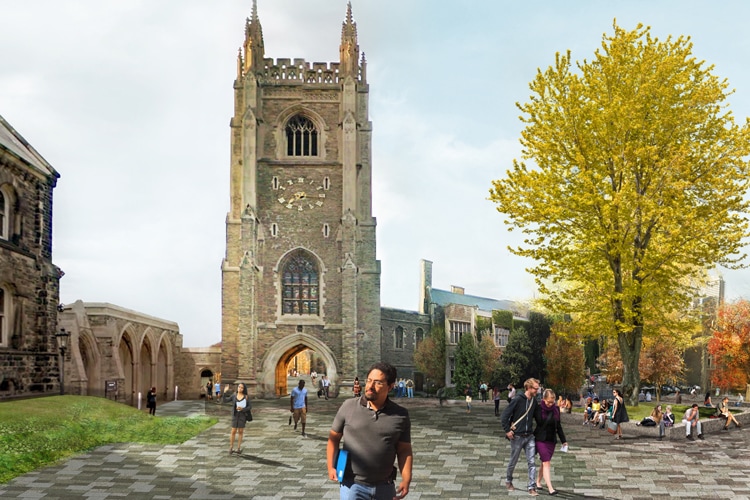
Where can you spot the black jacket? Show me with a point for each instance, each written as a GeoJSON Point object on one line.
{"type": "Point", "coordinates": [515, 410]}
{"type": "Point", "coordinates": [549, 428]}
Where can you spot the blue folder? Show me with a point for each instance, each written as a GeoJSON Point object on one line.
{"type": "Point", "coordinates": [341, 461]}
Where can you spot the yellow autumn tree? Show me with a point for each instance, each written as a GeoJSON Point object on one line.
{"type": "Point", "coordinates": [635, 185]}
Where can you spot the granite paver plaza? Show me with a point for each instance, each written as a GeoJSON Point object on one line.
{"type": "Point", "coordinates": [456, 455]}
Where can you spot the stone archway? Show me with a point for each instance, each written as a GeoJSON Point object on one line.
{"type": "Point", "coordinates": [272, 380]}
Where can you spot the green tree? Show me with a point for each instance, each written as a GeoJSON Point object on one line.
{"type": "Point", "coordinates": [429, 356]}
{"type": "Point", "coordinates": [539, 333]}
{"type": "Point", "coordinates": [468, 369]}
{"type": "Point", "coordinates": [515, 360]}
{"type": "Point", "coordinates": [637, 185]}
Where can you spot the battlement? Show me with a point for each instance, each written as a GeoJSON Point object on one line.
{"type": "Point", "coordinates": [283, 69]}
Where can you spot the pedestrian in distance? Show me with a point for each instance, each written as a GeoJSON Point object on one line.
{"type": "Point", "coordinates": [151, 401]}
{"type": "Point", "coordinates": [376, 432]}
{"type": "Point", "coordinates": [298, 406]}
{"type": "Point", "coordinates": [619, 413]}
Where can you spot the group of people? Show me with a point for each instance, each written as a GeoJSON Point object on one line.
{"type": "Point", "coordinates": [404, 388]}
{"type": "Point", "coordinates": [376, 432]}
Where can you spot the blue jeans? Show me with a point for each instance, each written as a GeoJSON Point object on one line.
{"type": "Point", "coordinates": [410, 391]}
{"type": "Point", "coordinates": [528, 445]}
{"type": "Point", "coordinates": [352, 491]}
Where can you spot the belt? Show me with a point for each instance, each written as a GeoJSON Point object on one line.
{"type": "Point", "coordinates": [523, 434]}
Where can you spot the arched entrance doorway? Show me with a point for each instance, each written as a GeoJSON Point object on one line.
{"type": "Point", "coordinates": [280, 357]}
{"type": "Point", "coordinates": [207, 378]}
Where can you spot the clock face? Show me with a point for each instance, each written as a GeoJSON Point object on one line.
{"type": "Point", "coordinates": [301, 194]}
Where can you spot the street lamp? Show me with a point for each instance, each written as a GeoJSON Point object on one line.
{"type": "Point", "coordinates": [62, 344]}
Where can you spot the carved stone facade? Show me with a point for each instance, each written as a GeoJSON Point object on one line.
{"type": "Point", "coordinates": [119, 353]}
{"type": "Point", "coordinates": [29, 281]}
{"type": "Point", "coordinates": [300, 271]}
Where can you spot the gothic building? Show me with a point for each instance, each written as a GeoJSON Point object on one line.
{"type": "Point", "coordinates": [300, 273]}
{"type": "Point", "coordinates": [29, 281]}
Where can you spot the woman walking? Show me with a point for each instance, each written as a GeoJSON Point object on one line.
{"type": "Point", "coordinates": [619, 413]}
{"type": "Point", "coordinates": [548, 428]}
{"type": "Point", "coordinates": [241, 413]}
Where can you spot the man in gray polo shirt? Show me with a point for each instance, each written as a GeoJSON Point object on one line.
{"type": "Point", "coordinates": [376, 431]}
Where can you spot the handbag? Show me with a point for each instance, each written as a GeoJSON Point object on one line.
{"type": "Point", "coordinates": [611, 427]}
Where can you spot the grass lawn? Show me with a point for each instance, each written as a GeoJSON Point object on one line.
{"type": "Point", "coordinates": [39, 432]}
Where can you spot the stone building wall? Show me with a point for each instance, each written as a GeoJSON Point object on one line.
{"type": "Point", "coordinates": [29, 281]}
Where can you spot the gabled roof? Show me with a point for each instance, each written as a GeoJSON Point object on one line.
{"type": "Point", "coordinates": [443, 298]}
{"type": "Point", "coordinates": [13, 142]}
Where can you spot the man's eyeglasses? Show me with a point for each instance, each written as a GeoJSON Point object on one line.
{"type": "Point", "coordinates": [376, 383]}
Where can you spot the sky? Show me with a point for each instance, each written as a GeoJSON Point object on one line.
{"type": "Point", "coordinates": [130, 102]}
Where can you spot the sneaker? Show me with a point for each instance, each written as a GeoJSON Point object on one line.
{"type": "Point", "coordinates": [304, 435]}
{"type": "Point", "coordinates": [700, 436]}
{"type": "Point", "coordinates": [691, 438]}
{"type": "Point", "coordinates": [509, 485]}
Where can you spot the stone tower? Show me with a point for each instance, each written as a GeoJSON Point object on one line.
{"type": "Point", "coordinates": [300, 271]}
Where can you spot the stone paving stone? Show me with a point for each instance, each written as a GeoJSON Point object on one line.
{"type": "Point", "coordinates": [457, 456]}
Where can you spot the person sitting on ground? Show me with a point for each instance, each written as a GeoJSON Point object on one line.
{"type": "Point", "coordinates": [707, 401]}
{"type": "Point", "coordinates": [567, 406]}
{"type": "Point", "coordinates": [722, 410]}
{"type": "Point", "coordinates": [587, 412]}
{"type": "Point", "coordinates": [652, 420]}
{"type": "Point", "coordinates": [667, 420]}
{"type": "Point", "coordinates": [600, 417]}
{"type": "Point", "coordinates": [692, 420]}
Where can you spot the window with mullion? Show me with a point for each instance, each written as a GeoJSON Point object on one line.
{"type": "Point", "coordinates": [300, 286]}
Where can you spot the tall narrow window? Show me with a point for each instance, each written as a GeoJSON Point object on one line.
{"type": "Point", "coordinates": [398, 338]}
{"type": "Point", "coordinates": [326, 230]}
{"type": "Point", "coordinates": [4, 213]}
{"type": "Point", "coordinates": [275, 182]}
{"type": "Point", "coordinates": [3, 319]}
{"type": "Point", "coordinates": [300, 285]}
{"type": "Point", "coordinates": [301, 137]}
{"type": "Point", "coordinates": [418, 337]}
{"type": "Point", "coordinates": [274, 229]}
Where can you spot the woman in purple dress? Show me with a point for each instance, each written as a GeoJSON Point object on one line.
{"type": "Point", "coordinates": [548, 428]}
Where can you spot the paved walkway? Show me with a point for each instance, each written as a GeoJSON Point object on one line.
{"type": "Point", "coordinates": [457, 456]}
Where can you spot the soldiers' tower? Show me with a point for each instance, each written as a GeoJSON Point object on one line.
{"type": "Point", "coordinates": [300, 270]}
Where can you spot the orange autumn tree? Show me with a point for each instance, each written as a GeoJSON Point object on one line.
{"type": "Point", "coordinates": [730, 346]}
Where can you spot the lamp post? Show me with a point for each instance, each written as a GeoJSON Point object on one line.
{"type": "Point", "coordinates": [62, 344]}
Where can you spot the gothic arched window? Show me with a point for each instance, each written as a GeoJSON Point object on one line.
{"type": "Point", "coordinates": [300, 285]}
{"type": "Point", "coordinates": [398, 338]}
{"type": "Point", "coordinates": [4, 215]}
{"type": "Point", "coordinates": [301, 137]}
